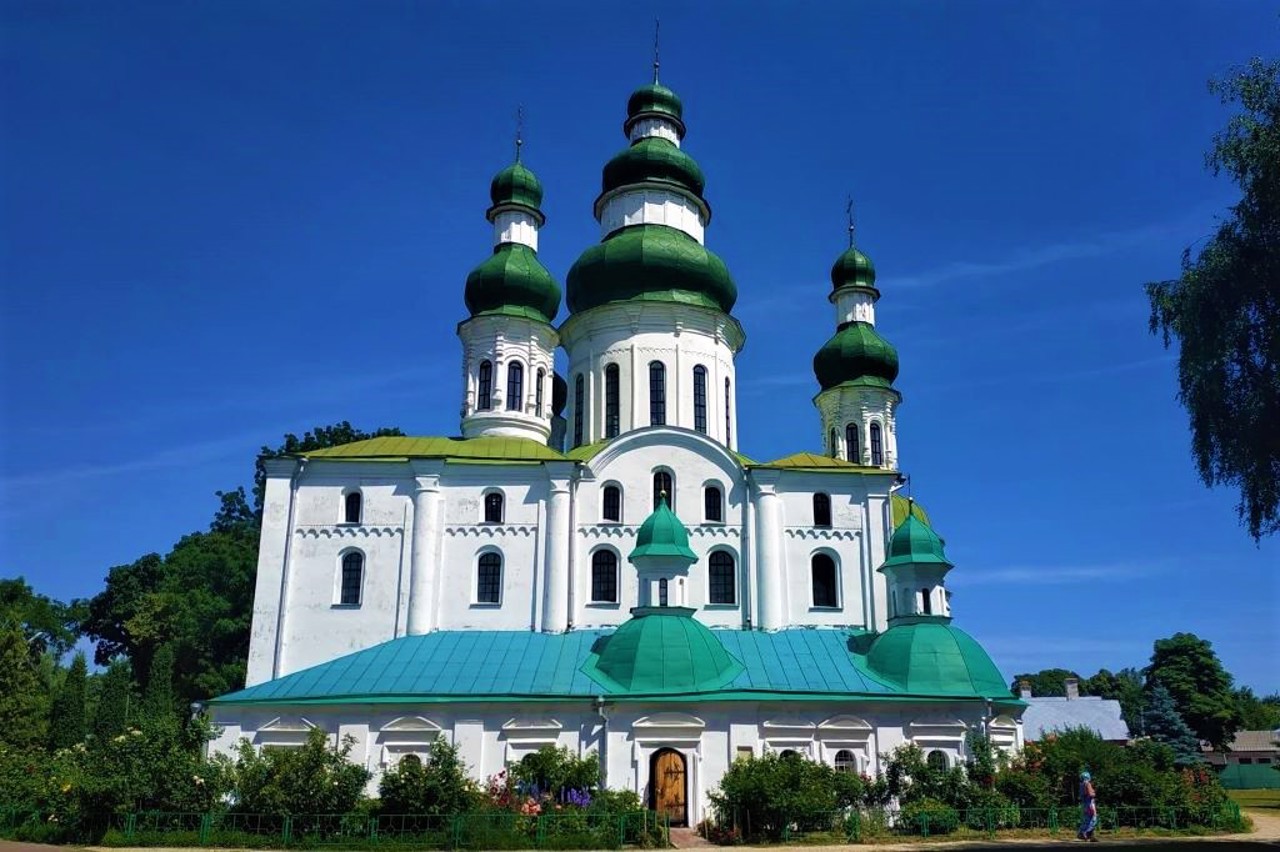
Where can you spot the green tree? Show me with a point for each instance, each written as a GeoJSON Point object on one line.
{"type": "Point", "coordinates": [1124, 686]}
{"type": "Point", "coordinates": [47, 624]}
{"type": "Point", "coordinates": [24, 701]}
{"type": "Point", "coordinates": [1046, 683]}
{"type": "Point", "coordinates": [159, 706]}
{"type": "Point", "coordinates": [1161, 722]}
{"type": "Point", "coordinates": [1224, 309]}
{"type": "Point", "coordinates": [116, 702]}
{"type": "Point", "coordinates": [67, 721]}
{"type": "Point", "coordinates": [1186, 665]}
{"type": "Point", "coordinates": [1258, 714]}
{"type": "Point", "coordinates": [314, 779]}
{"type": "Point", "coordinates": [315, 439]}
{"type": "Point", "coordinates": [440, 786]}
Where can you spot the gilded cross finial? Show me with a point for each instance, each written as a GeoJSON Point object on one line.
{"type": "Point", "coordinates": [519, 130]}
{"type": "Point", "coordinates": [848, 209]}
{"type": "Point", "coordinates": [657, 24]}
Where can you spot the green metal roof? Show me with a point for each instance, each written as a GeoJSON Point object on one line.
{"type": "Point", "coordinates": [512, 281]}
{"type": "Point", "coordinates": [855, 351]}
{"type": "Point", "coordinates": [650, 263]}
{"type": "Point", "coordinates": [398, 448]}
{"type": "Point", "coordinates": [516, 185]}
{"type": "Point", "coordinates": [662, 649]}
{"type": "Point", "coordinates": [931, 657]}
{"type": "Point", "coordinates": [653, 160]}
{"type": "Point", "coordinates": [853, 269]}
{"type": "Point", "coordinates": [654, 99]}
{"type": "Point", "coordinates": [900, 505]}
{"type": "Point", "coordinates": [914, 543]}
{"type": "Point", "coordinates": [816, 462]}
{"type": "Point", "coordinates": [520, 665]}
{"type": "Point", "coordinates": [662, 534]}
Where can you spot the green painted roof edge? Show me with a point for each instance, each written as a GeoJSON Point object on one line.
{"type": "Point", "coordinates": [828, 465]}
{"type": "Point", "coordinates": [451, 448]}
{"type": "Point", "coordinates": [726, 695]}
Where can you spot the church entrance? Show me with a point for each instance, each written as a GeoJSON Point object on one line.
{"type": "Point", "coordinates": [667, 785]}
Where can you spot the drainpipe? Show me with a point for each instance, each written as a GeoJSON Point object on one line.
{"type": "Point", "coordinates": [604, 742]}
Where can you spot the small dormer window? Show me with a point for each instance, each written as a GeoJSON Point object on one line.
{"type": "Point", "coordinates": [713, 506]}
{"type": "Point", "coordinates": [353, 504]}
{"type": "Point", "coordinates": [612, 509]}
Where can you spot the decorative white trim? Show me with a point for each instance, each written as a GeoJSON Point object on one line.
{"type": "Point", "coordinates": [491, 530]}
{"type": "Point", "coordinates": [287, 725]}
{"type": "Point", "coordinates": [530, 723]}
{"type": "Point", "coordinates": [846, 725]}
{"type": "Point", "coordinates": [669, 720]}
{"type": "Point", "coordinates": [346, 531]}
{"type": "Point", "coordinates": [822, 533]}
{"type": "Point", "coordinates": [788, 723]}
{"type": "Point", "coordinates": [416, 724]}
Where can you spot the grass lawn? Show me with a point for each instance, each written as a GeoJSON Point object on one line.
{"type": "Point", "coordinates": [1256, 798]}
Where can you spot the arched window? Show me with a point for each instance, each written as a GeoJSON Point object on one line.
{"type": "Point", "coordinates": [664, 484]}
{"type": "Point", "coordinates": [493, 507]}
{"type": "Point", "coordinates": [821, 510]}
{"type": "Point", "coordinates": [937, 759]}
{"type": "Point", "coordinates": [728, 416]}
{"type": "Point", "coordinates": [612, 503]}
{"type": "Point", "coordinates": [489, 579]}
{"type": "Point", "coordinates": [877, 451]}
{"type": "Point", "coordinates": [352, 579]}
{"type": "Point", "coordinates": [700, 398]}
{"type": "Point", "coordinates": [845, 761]}
{"type": "Point", "coordinates": [823, 568]}
{"type": "Point", "coordinates": [484, 397]}
{"type": "Point", "coordinates": [611, 393]}
{"type": "Point", "coordinates": [515, 386]}
{"type": "Point", "coordinates": [579, 395]}
{"type": "Point", "coordinates": [662, 592]}
{"type": "Point", "coordinates": [833, 445]}
{"type": "Point", "coordinates": [537, 392]}
{"type": "Point", "coordinates": [720, 578]}
{"type": "Point", "coordinates": [926, 604]}
{"type": "Point", "coordinates": [853, 452]}
{"type": "Point", "coordinates": [352, 506]}
{"type": "Point", "coordinates": [657, 393]}
{"type": "Point", "coordinates": [410, 761]}
{"type": "Point", "coordinates": [713, 504]}
{"type": "Point", "coordinates": [789, 754]}
{"type": "Point", "coordinates": [604, 577]}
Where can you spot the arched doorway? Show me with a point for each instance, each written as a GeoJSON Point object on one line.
{"type": "Point", "coordinates": [668, 782]}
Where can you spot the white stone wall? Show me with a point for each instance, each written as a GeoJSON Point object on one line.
{"type": "Point", "coordinates": [652, 206]}
{"type": "Point", "coordinates": [502, 341]}
{"type": "Point", "coordinates": [863, 406]}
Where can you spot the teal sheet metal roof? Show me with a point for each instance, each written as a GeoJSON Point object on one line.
{"type": "Point", "coordinates": [662, 649]}
{"type": "Point", "coordinates": [927, 656]}
{"type": "Point", "coordinates": [485, 665]}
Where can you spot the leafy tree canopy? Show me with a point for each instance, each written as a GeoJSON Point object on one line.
{"type": "Point", "coordinates": [1224, 309]}
{"type": "Point", "coordinates": [316, 439]}
{"type": "Point", "coordinates": [1045, 683]}
{"type": "Point", "coordinates": [1258, 714]}
{"type": "Point", "coordinates": [1124, 686]}
{"type": "Point", "coordinates": [24, 702]}
{"type": "Point", "coordinates": [1186, 665]}
{"type": "Point", "coordinates": [47, 624]}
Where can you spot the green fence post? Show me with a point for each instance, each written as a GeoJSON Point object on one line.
{"type": "Point", "coordinates": [129, 823]}
{"type": "Point", "coordinates": [455, 832]}
{"type": "Point", "coordinates": [1053, 820]}
{"type": "Point", "coordinates": [924, 823]}
{"type": "Point", "coordinates": [205, 823]}
{"type": "Point", "coordinates": [991, 823]}
{"type": "Point", "coordinates": [856, 823]}
{"type": "Point", "coordinates": [286, 830]}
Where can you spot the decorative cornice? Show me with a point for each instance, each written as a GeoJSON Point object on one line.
{"type": "Point", "coordinates": [491, 530]}
{"type": "Point", "coordinates": [822, 534]}
{"type": "Point", "coordinates": [346, 531]}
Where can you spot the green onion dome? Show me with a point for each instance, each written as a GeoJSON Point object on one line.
{"type": "Point", "coordinates": [653, 160]}
{"type": "Point", "coordinates": [559, 394]}
{"type": "Point", "coordinates": [856, 351]}
{"type": "Point", "coordinates": [654, 100]}
{"type": "Point", "coordinates": [513, 282]}
{"type": "Point", "coordinates": [664, 650]}
{"type": "Point", "coordinates": [914, 542]}
{"type": "Point", "coordinates": [853, 269]}
{"type": "Point", "coordinates": [930, 657]}
{"type": "Point", "coordinates": [662, 534]}
{"type": "Point", "coordinates": [650, 263]}
{"type": "Point", "coordinates": [516, 185]}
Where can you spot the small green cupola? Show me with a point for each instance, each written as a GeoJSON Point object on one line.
{"type": "Point", "coordinates": [654, 101]}
{"type": "Point", "coordinates": [662, 558]}
{"type": "Point", "coordinates": [513, 281]}
{"type": "Point", "coordinates": [856, 353]}
{"type": "Point", "coordinates": [915, 568]}
{"type": "Point", "coordinates": [853, 269]}
{"type": "Point", "coordinates": [661, 650]}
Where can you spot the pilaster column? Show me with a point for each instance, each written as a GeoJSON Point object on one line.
{"type": "Point", "coordinates": [559, 534]}
{"type": "Point", "coordinates": [769, 552]}
{"type": "Point", "coordinates": [424, 546]}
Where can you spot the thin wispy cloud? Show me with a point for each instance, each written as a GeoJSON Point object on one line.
{"type": "Point", "coordinates": [1051, 575]}
{"type": "Point", "coordinates": [1051, 377]}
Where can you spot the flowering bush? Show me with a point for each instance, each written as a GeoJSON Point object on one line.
{"type": "Point", "coordinates": [312, 779]}
{"type": "Point", "coordinates": [440, 786]}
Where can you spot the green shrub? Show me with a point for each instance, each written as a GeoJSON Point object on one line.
{"type": "Point", "coordinates": [928, 816]}
{"type": "Point", "coordinates": [763, 795]}
{"type": "Point", "coordinates": [315, 778]}
{"type": "Point", "coordinates": [553, 771]}
{"type": "Point", "coordinates": [440, 786]}
{"type": "Point", "coordinates": [1023, 788]}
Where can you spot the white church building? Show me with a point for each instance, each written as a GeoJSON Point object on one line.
{"type": "Point", "coordinates": [593, 563]}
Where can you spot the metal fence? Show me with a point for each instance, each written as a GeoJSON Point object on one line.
{"type": "Point", "coordinates": [569, 829]}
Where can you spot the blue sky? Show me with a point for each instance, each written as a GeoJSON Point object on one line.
{"type": "Point", "coordinates": [226, 221]}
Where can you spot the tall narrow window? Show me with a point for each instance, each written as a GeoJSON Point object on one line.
{"type": "Point", "coordinates": [728, 416]}
{"type": "Point", "coordinates": [663, 484]}
{"type": "Point", "coordinates": [877, 452]}
{"type": "Point", "coordinates": [926, 602]}
{"type": "Point", "coordinates": [612, 503]}
{"type": "Point", "coordinates": [823, 569]}
{"type": "Point", "coordinates": [713, 504]}
{"type": "Point", "coordinates": [936, 760]}
{"type": "Point", "coordinates": [493, 508]}
{"type": "Point", "coordinates": [515, 386]}
{"type": "Point", "coordinates": [700, 398]}
{"type": "Point", "coordinates": [720, 585]}
{"type": "Point", "coordinates": [604, 577]}
{"type": "Point", "coordinates": [611, 393]}
{"type": "Point", "coordinates": [579, 394]}
{"type": "Point", "coordinates": [484, 397]}
{"type": "Point", "coordinates": [354, 503]}
{"type": "Point", "coordinates": [537, 392]}
{"type": "Point", "coordinates": [833, 445]}
{"type": "Point", "coordinates": [489, 579]}
{"type": "Point", "coordinates": [853, 452]}
{"type": "Point", "coordinates": [352, 579]}
{"type": "Point", "coordinates": [821, 510]}
{"type": "Point", "coordinates": [662, 592]}
{"type": "Point", "coordinates": [657, 393]}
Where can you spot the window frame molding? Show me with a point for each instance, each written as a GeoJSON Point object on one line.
{"type": "Point", "coordinates": [706, 487]}
{"type": "Point", "coordinates": [347, 493]}
{"type": "Point", "coordinates": [735, 564]}
{"type": "Point", "coordinates": [488, 550]}
{"type": "Point", "coordinates": [484, 385]}
{"type": "Point", "coordinates": [339, 580]}
{"type": "Point", "coordinates": [836, 582]}
{"type": "Point", "coordinates": [484, 505]}
{"type": "Point", "coordinates": [616, 485]}
{"type": "Point", "coordinates": [518, 400]}
{"type": "Point", "coordinates": [592, 601]}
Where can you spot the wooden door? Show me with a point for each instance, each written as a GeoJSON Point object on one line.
{"type": "Point", "coordinates": [668, 783]}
